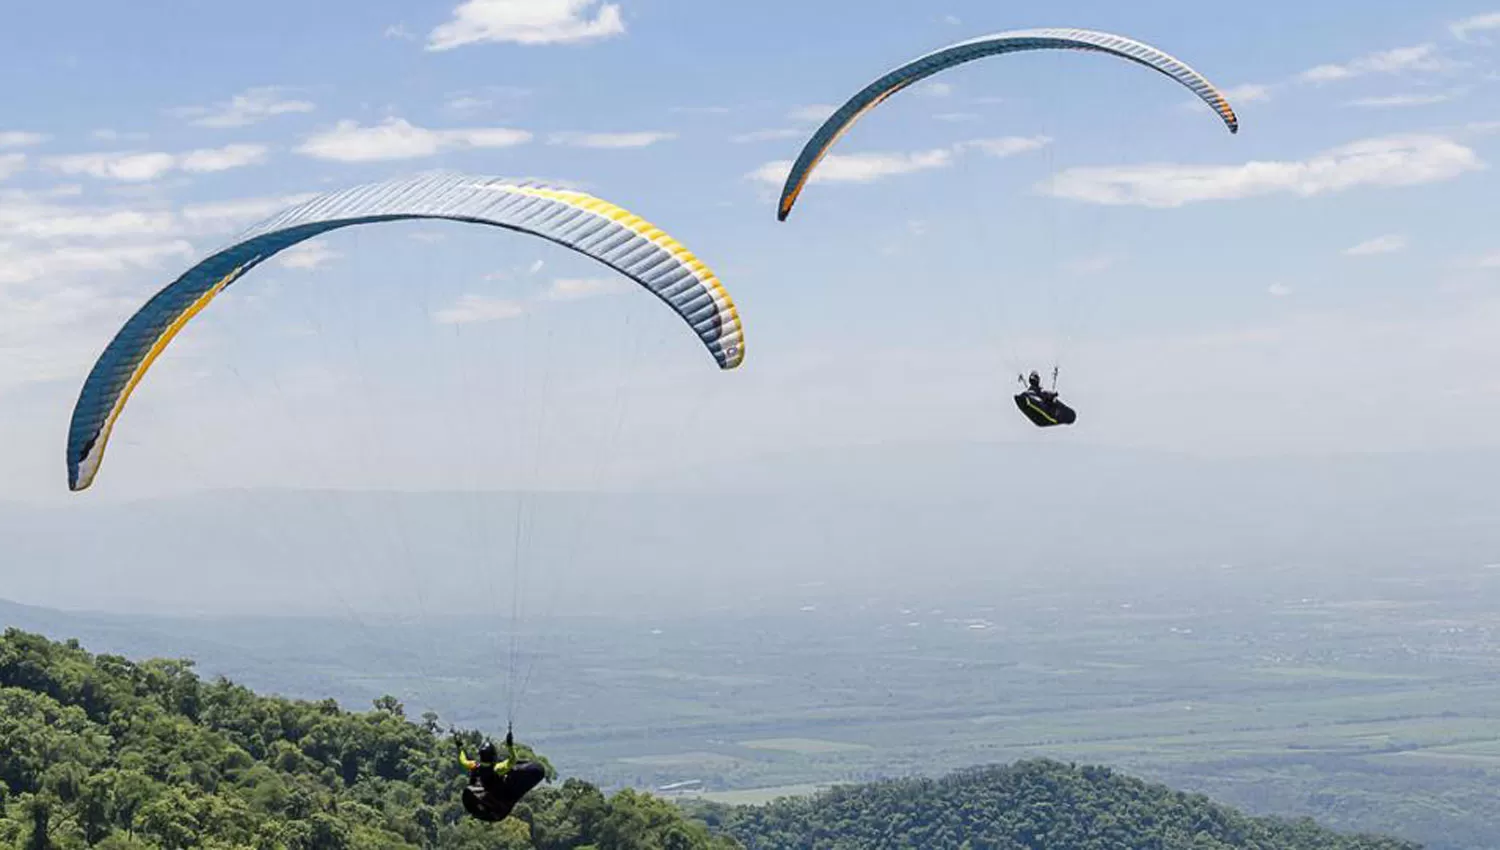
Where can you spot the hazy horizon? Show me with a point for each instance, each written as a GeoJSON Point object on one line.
{"type": "Point", "coordinates": [948, 517]}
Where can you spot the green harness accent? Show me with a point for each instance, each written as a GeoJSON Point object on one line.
{"type": "Point", "coordinates": [1045, 414]}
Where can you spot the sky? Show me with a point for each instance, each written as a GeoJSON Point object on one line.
{"type": "Point", "coordinates": [1321, 283]}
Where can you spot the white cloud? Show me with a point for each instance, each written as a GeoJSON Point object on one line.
{"type": "Point", "coordinates": [396, 138]}
{"type": "Point", "coordinates": [815, 113]}
{"type": "Point", "coordinates": [1390, 243]}
{"type": "Point", "coordinates": [954, 117]}
{"type": "Point", "coordinates": [249, 107]}
{"type": "Point", "coordinates": [64, 267]}
{"type": "Point", "coordinates": [222, 159]}
{"type": "Point", "coordinates": [65, 190]}
{"type": "Point", "coordinates": [399, 31]}
{"type": "Point", "coordinates": [468, 103]}
{"type": "Point", "coordinates": [859, 167]}
{"type": "Point", "coordinates": [115, 166]}
{"type": "Point", "coordinates": [224, 216]}
{"type": "Point", "coordinates": [31, 217]}
{"type": "Point", "coordinates": [1248, 93]}
{"type": "Point", "coordinates": [1089, 265]}
{"type": "Point", "coordinates": [1279, 290]}
{"type": "Point", "coordinates": [51, 223]}
{"type": "Point", "coordinates": [766, 135]}
{"type": "Point", "coordinates": [574, 289]}
{"type": "Point", "coordinates": [528, 22]}
{"type": "Point", "coordinates": [1400, 100]}
{"type": "Point", "coordinates": [108, 135]}
{"type": "Point", "coordinates": [52, 331]}
{"type": "Point", "coordinates": [1006, 145]}
{"type": "Point", "coordinates": [936, 89]}
{"type": "Point", "coordinates": [1237, 96]}
{"type": "Point", "coordinates": [39, 218]}
{"type": "Point", "coordinates": [1421, 57]}
{"type": "Point", "coordinates": [20, 265]}
{"type": "Point", "coordinates": [477, 100]}
{"type": "Point", "coordinates": [307, 256]}
{"type": "Point", "coordinates": [20, 139]}
{"type": "Point", "coordinates": [869, 167]}
{"type": "Point", "coordinates": [470, 309]}
{"type": "Point", "coordinates": [1385, 161]}
{"type": "Point", "coordinates": [952, 20]}
{"type": "Point", "coordinates": [536, 266]}
{"type": "Point", "coordinates": [610, 140]}
{"type": "Point", "coordinates": [1462, 30]}
{"type": "Point", "coordinates": [487, 308]}
{"type": "Point", "coordinates": [699, 110]}
{"type": "Point", "coordinates": [11, 163]}
{"type": "Point", "coordinates": [133, 167]}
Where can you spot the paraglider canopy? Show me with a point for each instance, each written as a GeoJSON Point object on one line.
{"type": "Point", "coordinates": [1016, 41]}
{"type": "Point", "coordinates": [591, 226]}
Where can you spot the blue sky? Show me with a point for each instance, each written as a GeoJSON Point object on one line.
{"type": "Point", "coordinates": [1280, 291]}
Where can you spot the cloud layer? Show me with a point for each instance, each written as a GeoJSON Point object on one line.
{"type": "Point", "coordinates": [1421, 57]}
{"type": "Point", "coordinates": [1402, 100]}
{"type": "Point", "coordinates": [471, 309]}
{"type": "Point", "coordinates": [610, 140]}
{"type": "Point", "coordinates": [528, 22]}
{"type": "Point", "coordinates": [1465, 29]}
{"type": "Point", "coordinates": [474, 308]}
{"type": "Point", "coordinates": [20, 139]}
{"type": "Point", "coordinates": [1404, 160]}
{"type": "Point", "coordinates": [869, 167]}
{"type": "Point", "coordinates": [136, 167]}
{"type": "Point", "coordinates": [11, 163]}
{"type": "Point", "coordinates": [250, 107]}
{"type": "Point", "coordinates": [396, 138]}
{"type": "Point", "coordinates": [1390, 243]}
{"type": "Point", "coordinates": [71, 271]}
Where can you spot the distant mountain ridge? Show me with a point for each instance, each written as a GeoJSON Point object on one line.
{"type": "Point", "coordinates": [892, 516]}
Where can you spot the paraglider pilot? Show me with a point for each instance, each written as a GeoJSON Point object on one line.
{"type": "Point", "coordinates": [1034, 384]}
{"type": "Point", "coordinates": [496, 786]}
{"type": "Point", "coordinates": [1043, 407]}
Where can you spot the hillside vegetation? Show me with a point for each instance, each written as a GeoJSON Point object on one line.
{"type": "Point", "coordinates": [1025, 806]}
{"type": "Point", "coordinates": [104, 752]}
{"type": "Point", "coordinates": [100, 751]}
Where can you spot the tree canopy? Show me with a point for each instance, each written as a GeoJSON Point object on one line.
{"type": "Point", "coordinates": [100, 751]}
{"type": "Point", "coordinates": [1029, 805]}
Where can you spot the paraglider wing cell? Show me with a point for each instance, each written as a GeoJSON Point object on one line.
{"type": "Point", "coordinates": [991, 45]}
{"type": "Point", "coordinates": [588, 225]}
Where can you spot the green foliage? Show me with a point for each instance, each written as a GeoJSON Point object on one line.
{"type": "Point", "coordinates": [1026, 806]}
{"type": "Point", "coordinates": [102, 752]}
{"type": "Point", "coordinates": [99, 751]}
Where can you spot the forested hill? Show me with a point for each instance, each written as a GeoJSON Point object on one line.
{"type": "Point", "coordinates": [100, 751]}
{"type": "Point", "coordinates": [1033, 805]}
